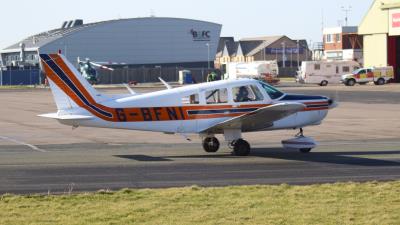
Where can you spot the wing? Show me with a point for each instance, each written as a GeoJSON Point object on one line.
{"type": "Point", "coordinates": [258, 119]}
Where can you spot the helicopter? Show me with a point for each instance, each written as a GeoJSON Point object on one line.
{"type": "Point", "coordinates": [88, 71]}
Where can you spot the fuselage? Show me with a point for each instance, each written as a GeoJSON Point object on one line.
{"type": "Point", "coordinates": [194, 108]}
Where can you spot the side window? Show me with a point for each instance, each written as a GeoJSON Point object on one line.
{"type": "Point", "coordinates": [217, 96]}
{"type": "Point", "coordinates": [346, 69]}
{"type": "Point", "coordinates": [361, 72]}
{"type": "Point", "coordinates": [317, 66]}
{"type": "Point", "coordinates": [191, 99]}
{"type": "Point", "coordinates": [247, 93]}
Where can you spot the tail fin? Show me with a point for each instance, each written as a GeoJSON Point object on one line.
{"type": "Point", "coordinates": [69, 88]}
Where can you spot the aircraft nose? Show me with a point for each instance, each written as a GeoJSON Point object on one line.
{"type": "Point", "coordinates": [332, 103]}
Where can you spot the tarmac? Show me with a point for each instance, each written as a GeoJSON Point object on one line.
{"type": "Point", "coordinates": [359, 141]}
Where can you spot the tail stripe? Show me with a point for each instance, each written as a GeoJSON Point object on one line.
{"type": "Point", "coordinates": [56, 69]}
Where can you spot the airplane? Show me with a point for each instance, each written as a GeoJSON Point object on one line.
{"type": "Point", "coordinates": [228, 107]}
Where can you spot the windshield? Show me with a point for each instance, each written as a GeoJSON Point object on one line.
{"type": "Point", "coordinates": [356, 71]}
{"type": "Point", "coordinates": [271, 91]}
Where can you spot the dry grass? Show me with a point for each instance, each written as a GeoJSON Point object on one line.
{"type": "Point", "coordinates": [343, 203]}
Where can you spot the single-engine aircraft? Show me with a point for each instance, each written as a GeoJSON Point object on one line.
{"type": "Point", "coordinates": [227, 107]}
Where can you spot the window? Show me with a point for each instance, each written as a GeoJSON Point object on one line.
{"type": "Point", "coordinates": [346, 69]}
{"type": "Point", "coordinates": [317, 66]}
{"type": "Point", "coordinates": [249, 93]}
{"type": "Point", "coordinates": [191, 99]}
{"type": "Point", "coordinates": [337, 69]}
{"type": "Point", "coordinates": [329, 38]}
{"type": "Point", "coordinates": [217, 96]}
{"type": "Point", "coordinates": [271, 91]}
{"type": "Point", "coordinates": [337, 38]}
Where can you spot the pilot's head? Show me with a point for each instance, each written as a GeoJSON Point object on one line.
{"type": "Point", "coordinates": [243, 91]}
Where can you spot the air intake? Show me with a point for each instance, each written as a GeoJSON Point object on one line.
{"type": "Point", "coordinates": [77, 22]}
{"type": "Point", "coordinates": [64, 24]}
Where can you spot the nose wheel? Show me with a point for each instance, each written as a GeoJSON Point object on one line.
{"type": "Point", "coordinates": [300, 142]}
{"type": "Point", "coordinates": [210, 144]}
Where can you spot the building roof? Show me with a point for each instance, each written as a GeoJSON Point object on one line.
{"type": "Point", "coordinates": [249, 46]}
{"type": "Point", "coordinates": [38, 40]}
{"type": "Point", "coordinates": [261, 42]}
{"type": "Point", "coordinates": [41, 39]}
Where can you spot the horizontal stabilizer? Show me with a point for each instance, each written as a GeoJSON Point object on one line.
{"type": "Point", "coordinates": [66, 117]}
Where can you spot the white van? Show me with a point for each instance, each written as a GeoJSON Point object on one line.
{"type": "Point", "coordinates": [325, 72]}
{"type": "Point", "coordinates": [259, 70]}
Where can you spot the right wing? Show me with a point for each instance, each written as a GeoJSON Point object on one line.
{"type": "Point", "coordinates": [258, 119]}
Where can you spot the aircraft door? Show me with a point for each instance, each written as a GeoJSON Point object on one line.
{"type": "Point", "coordinates": [190, 104]}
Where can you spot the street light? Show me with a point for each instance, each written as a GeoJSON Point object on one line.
{"type": "Point", "coordinates": [283, 54]}
{"type": "Point", "coordinates": [298, 53]}
{"type": "Point", "coordinates": [208, 55]}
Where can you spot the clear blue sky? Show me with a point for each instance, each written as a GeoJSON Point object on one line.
{"type": "Point", "coordinates": [294, 18]}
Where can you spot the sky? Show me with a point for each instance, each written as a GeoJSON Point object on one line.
{"type": "Point", "coordinates": [297, 19]}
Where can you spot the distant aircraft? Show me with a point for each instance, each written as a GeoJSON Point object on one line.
{"type": "Point", "coordinates": [227, 107]}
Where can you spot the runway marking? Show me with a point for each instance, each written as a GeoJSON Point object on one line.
{"type": "Point", "coordinates": [22, 143]}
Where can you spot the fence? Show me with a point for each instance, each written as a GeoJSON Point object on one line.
{"type": "Point", "coordinates": [29, 76]}
{"type": "Point", "coordinates": [146, 75]}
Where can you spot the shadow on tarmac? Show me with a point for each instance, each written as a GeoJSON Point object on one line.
{"type": "Point", "coordinates": [344, 158]}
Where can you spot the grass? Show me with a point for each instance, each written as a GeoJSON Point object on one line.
{"type": "Point", "coordinates": [20, 86]}
{"type": "Point", "coordinates": [341, 203]}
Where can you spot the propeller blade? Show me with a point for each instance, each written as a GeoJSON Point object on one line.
{"type": "Point", "coordinates": [101, 66]}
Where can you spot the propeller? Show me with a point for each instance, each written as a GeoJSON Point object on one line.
{"type": "Point", "coordinates": [95, 64]}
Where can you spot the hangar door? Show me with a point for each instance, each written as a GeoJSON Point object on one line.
{"type": "Point", "coordinates": [394, 55]}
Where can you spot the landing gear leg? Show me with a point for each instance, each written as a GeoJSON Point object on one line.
{"type": "Point", "coordinates": [300, 134]}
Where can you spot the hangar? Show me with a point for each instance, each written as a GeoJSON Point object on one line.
{"type": "Point", "coordinates": [135, 42]}
{"type": "Point", "coordinates": [381, 34]}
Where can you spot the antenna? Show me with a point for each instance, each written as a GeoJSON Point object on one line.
{"type": "Point", "coordinates": [346, 11]}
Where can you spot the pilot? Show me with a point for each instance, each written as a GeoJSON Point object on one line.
{"type": "Point", "coordinates": [243, 95]}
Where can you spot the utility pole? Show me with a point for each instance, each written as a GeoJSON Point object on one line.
{"type": "Point", "coordinates": [346, 11]}
{"type": "Point", "coordinates": [208, 55]}
{"type": "Point", "coordinates": [283, 54]}
{"type": "Point", "coordinates": [298, 54]}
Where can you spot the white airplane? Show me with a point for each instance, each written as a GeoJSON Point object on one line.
{"type": "Point", "coordinates": [227, 107]}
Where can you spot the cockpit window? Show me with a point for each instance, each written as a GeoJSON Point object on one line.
{"type": "Point", "coordinates": [247, 93]}
{"type": "Point", "coordinates": [271, 91]}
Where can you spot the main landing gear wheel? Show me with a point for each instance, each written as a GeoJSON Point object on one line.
{"type": "Point", "coordinates": [241, 147]}
{"type": "Point", "coordinates": [211, 144]}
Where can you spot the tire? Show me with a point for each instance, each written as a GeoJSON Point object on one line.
{"type": "Point", "coordinates": [323, 83]}
{"type": "Point", "coordinates": [381, 81]}
{"type": "Point", "coordinates": [210, 144]}
{"type": "Point", "coordinates": [241, 148]}
{"type": "Point", "coordinates": [350, 82]}
{"type": "Point", "coordinates": [305, 150]}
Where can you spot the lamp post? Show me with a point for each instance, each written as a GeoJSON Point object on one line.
{"type": "Point", "coordinates": [298, 54]}
{"type": "Point", "coordinates": [283, 54]}
{"type": "Point", "coordinates": [208, 55]}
